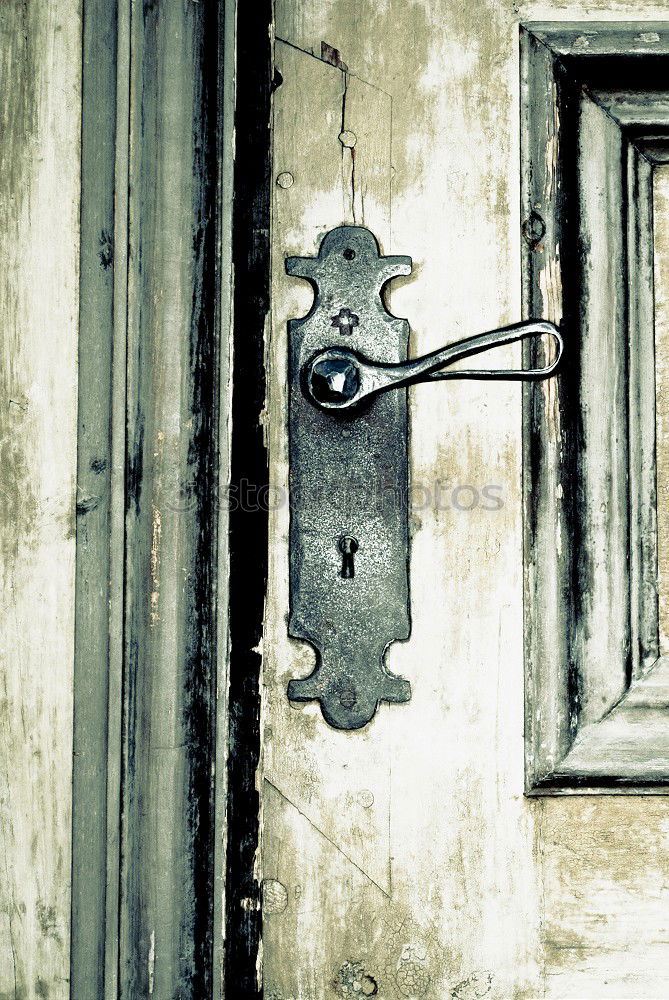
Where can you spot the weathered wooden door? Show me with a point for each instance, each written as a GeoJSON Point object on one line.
{"type": "Point", "coordinates": [116, 163]}
{"type": "Point", "coordinates": [489, 838]}
{"type": "Point", "coordinates": [504, 833]}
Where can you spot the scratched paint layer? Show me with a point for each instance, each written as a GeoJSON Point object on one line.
{"type": "Point", "coordinates": [490, 892]}
{"type": "Point", "coordinates": [40, 62]}
{"type": "Point", "coordinates": [661, 214]}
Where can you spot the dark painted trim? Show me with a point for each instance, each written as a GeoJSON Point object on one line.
{"type": "Point", "coordinates": [249, 463]}
{"type": "Point", "coordinates": [558, 783]}
{"type": "Point", "coordinates": [171, 488]}
{"type": "Point", "coordinates": [167, 894]}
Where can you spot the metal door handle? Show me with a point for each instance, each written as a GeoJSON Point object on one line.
{"type": "Point", "coordinates": [349, 470]}
{"type": "Point", "coordinates": [338, 378]}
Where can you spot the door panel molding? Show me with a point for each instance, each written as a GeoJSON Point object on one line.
{"type": "Point", "coordinates": [590, 143]}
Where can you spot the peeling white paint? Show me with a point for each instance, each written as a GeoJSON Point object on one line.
{"type": "Point", "coordinates": [152, 960]}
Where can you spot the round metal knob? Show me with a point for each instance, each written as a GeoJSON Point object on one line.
{"type": "Point", "coordinates": [334, 380]}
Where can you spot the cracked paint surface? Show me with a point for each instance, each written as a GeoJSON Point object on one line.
{"type": "Point", "coordinates": [479, 875]}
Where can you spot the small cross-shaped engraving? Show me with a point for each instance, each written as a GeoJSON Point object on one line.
{"type": "Point", "coordinates": [345, 320]}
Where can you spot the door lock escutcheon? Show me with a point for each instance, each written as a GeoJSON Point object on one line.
{"type": "Point", "coordinates": [349, 475]}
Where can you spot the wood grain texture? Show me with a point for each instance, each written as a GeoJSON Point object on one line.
{"type": "Point", "coordinates": [545, 134]}
{"type": "Point", "coordinates": [40, 119]}
{"type": "Point", "coordinates": [661, 233]}
{"type": "Point", "coordinates": [95, 674]}
{"type": "Point", "coordinates": [642, 375]}
{"type": "Point", "coordinates": [632, 740]}
{"type": "Point", "coordinates": [314, 104]}
{"type": "Point", "coordinates": [605, 898]}
{"type": "Point", "coordinates": [491, 895]}
{"type": "Point", "coordinates": [170, 544]}
{"type": "Point", "coordinates": [589, 187]}
{"type": "Point", "coordinates": [226, 201]}
{"type": "Point", "coordinates": [601, 644]}
{"type": "Point", "coordinates": [330, 917]}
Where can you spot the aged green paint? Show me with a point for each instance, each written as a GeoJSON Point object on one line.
{"type": "Point", "coordinates": [167, 837]}
{"type": "Point", "coordinates": [147, 654]}
{"type": "Point", "coordinates": [92, 662]}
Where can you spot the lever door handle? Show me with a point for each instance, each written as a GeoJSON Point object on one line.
{"type": "Point", "coordinates": [349, 473]}
{"type": "Point", "coordinates": [338, 378]}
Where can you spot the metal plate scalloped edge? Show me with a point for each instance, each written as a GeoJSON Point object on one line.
{"type": "Point", "coordinates": [348, 477]}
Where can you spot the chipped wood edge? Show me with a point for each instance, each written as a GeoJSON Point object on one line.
{"type": "Point", "coordinates": [247, 529]}
{"type": "Point", "coordinates": [226, 125]}
{"type": "Point", "coordinates": [118, 871]}
{"type": "Point", "coordinates": [101, 560]}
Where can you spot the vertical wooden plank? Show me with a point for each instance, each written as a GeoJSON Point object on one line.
{"type": "Point", "coordinates": [602, 873]}
{"type": "Point", "coordinates": [248, 539]}
{"type": "Point", "coordinates": [166, 920]}
{"type": "Point", "coordinates": [461, 861]}
{"type": "Point", "coordinates": [332, 134]}
{"type": "Point", "coordinates": [645, 647]}
{"type": "Point", "coordinates": [40, 111]}
{"type": "Point", "coordinates": [367, 121]}
{"type": "Point", "coordinates": [661, 237]}
{"type": "Point", "coordinates": [514, 898]}
{"type": "Point", "coordinates": [227, 97]}
{"type": "Point", "coordinates": [601, 645]}
{"type": "Point", "coordinates": [92, 662]}
{"type": "Point", "coordinates": [549, 127]}
{"type": "Point", "coordinates": [588, 491]}
{"type": "Point", "coordinates": [117, 503]}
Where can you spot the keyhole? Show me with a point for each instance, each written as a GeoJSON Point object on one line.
{"type": "Point", "coordinates": [348, 547]}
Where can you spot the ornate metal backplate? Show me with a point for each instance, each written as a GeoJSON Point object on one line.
{"type": "Point", "coordinates": [348, 487]}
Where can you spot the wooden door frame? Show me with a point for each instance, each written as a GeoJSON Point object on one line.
{"type": "Point", "coordinates": [139, 127]}
{"type": "Point", "coordinates": [249, 463]}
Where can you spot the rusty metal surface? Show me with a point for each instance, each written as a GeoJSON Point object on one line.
{"type": "Point", "coordinates": [349, 485]}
